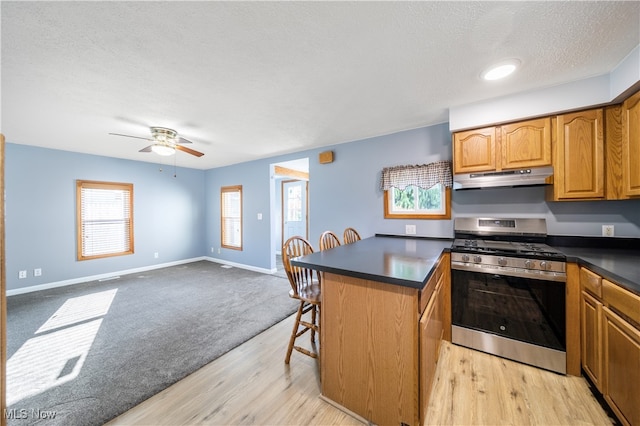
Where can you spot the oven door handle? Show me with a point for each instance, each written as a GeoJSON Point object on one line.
{"type": "Point", "coordinates": [506, 271]}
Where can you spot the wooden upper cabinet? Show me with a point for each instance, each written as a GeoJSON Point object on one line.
{"type": "Point", "coordinates": [631, 145]}
{"type": "Point", "coordinates": [526, 144]}
{"type": "Point", "coordinates": [579, 171]}
{"type": "Point", "coordinates": [474, 150]}
{"type": "Point", "coordinates": [510, 146]}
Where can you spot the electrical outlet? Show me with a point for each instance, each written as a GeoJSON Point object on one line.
{"type": "Point", "coordinates": [37, 272]}
{"type": "Point", "coordinates": [155, 255]}
{"type": "Point", "coordinates": [410, 229]}
{"type": "Point", "coordinates": [22, 274]}
{"type": "Point", "coordinates": [218, 250]}
{"type": "Point", "coordinates": [608, 230]}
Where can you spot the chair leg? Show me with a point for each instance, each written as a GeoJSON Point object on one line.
{"type": "Point", "coordinates": [294, 333]}
{"type": "Point", "coordinates": [313, 321]}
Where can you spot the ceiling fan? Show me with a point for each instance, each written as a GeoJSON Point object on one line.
{"type": "Point", "coordinates": [165, 142]}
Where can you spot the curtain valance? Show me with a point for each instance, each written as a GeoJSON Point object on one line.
{"type": "Point", "coordinates": [423, 176]}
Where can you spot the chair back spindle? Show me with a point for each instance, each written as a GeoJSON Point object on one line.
{"type": "Point", "coordinates": [328, 240]}
{"type": "Point", "coordinates": [350, 236]}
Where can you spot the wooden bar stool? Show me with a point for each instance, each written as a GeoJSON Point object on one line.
{"type": "Point", "coordinates": [305, 287]}
{"type": "Point", "coordinates": [328, 240]}
{"type": "Point", "coordinates": [350, 236]}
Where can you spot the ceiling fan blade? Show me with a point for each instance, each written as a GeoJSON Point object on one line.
{"type": "Point", "coordinates": [183, 140]}
{"type": "Point", "coordinates": [189, 150]}
{"type": "Point", "coordinates": [147, 149]}
{"type": "Point", "coordinates": [129, 136]}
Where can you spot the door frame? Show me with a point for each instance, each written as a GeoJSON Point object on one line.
{"type": "Point", "coordinates": [306, 208]}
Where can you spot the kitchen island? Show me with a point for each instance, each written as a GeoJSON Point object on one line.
{"type": "Point", "coordinates": [385, 309]}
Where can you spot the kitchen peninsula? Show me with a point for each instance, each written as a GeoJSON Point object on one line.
{"type": "Point", "coordinates": [385, 309]}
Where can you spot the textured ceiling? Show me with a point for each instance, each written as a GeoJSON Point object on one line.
{"type": "Point", "coordinates": [256, 79]}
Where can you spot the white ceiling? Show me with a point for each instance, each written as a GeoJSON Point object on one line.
{"type": "Point", "coordinates": [249, 80]}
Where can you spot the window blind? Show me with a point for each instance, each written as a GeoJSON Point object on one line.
{"type": "Point", "coordinates": [423, 176]}
{"type": "Point", "coordinates": [105, 219]}
{"type": "Point", "coordinates": [231, 214]}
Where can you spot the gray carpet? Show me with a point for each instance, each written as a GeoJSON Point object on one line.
{"type": "Point", "coordinates": [116, 343]}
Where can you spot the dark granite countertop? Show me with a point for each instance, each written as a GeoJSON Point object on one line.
{"type": "Point", "coordinates": [621, 266]}
{"type": "Point", "coordinates": [409, 261]}
{"type": "Point", "coordinates": [394, 260]}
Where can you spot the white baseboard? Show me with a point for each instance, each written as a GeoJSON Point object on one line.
{"type": "Point", "coordinates": [242, 265]}
{"type": "Point", "coordinates": [106, 276]}
{"type": "Point", "coordinates": [109, 275]}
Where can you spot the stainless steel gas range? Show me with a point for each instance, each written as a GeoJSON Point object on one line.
{"type": "Point", "coordinates": [508, 291]}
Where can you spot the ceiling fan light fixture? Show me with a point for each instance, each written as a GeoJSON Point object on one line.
{"type": "Point", "coordinates": [163, 150]}
{"type": "Point", "coordinates": [500, 70]}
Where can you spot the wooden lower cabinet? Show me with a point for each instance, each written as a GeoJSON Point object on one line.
{"type": "Point", "coordinates": [622, 367]}
{"type": "Point", "coordinates": [431, 335]}
{"type": "Point", "coordinates": [379, 348]}
{"type": "Point", "coordinates": [610, 343]}
{"type": "Point", "coordinates": [591, 341]}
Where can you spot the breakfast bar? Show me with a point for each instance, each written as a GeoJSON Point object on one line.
{"type": "Point", "coordinates": [384, 313]}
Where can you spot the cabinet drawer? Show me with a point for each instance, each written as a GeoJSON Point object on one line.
{"type": "Point", "coordinates": [591, 282]}
{"type": "Point", "coordinates": [621, 300]}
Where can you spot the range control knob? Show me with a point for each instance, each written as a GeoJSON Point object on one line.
{"type": "Point", "coordinates": [477, 259]}
{"type": "Point", "coordinates": [545, 266]}
{"type": "Point", "coordinates": [529, 264]}
{"type": "Point", "coordinates": [502, 261]}
{"type": "Point", "coordinates": [465, 257]}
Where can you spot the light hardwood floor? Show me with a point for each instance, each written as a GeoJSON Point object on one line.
{"type": "Point", "coordinates": [252, 385]}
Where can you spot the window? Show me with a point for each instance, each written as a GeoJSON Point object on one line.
{"type": "Point", "coordinates": [417, 192]}
{"type": "Point", "coordinates": [414, 202]}
{"type": "Point", "coordinates": [231, 217]}
{"type": "Point", "coordinates": [294, 203]}
{"type": "Point", "coordinates": [104, 219]}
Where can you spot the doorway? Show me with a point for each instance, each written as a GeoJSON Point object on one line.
{"type": "Point", "coordinates": [294, 218]}
{"type": "Point", "coordinates": [289, 205]}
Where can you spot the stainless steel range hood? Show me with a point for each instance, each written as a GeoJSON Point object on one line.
{"type": "Point", "coordinates": [508, 178]}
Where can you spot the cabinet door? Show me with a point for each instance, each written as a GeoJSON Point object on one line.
{"type": "Point", "coordinates": [526, 144]}
{"type": "Point", "coordinates": [430, 334]}
{"type": "Point", "coordinates": [631, 145]}
{"type": "Point", "coordinates": [474, 150]}
{"type": "Point", "coordinates": [621, 372]}
{"type": "Point", "coordinates": [579, 164]}
{"type": "Point", "coordinates": [591, 342]}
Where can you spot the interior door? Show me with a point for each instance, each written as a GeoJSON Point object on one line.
{"type": "Point", "coordinates": [294, 209]}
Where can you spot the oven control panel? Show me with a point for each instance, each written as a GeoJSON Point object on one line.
{"type": "Point", "coordinates": [506, 265]}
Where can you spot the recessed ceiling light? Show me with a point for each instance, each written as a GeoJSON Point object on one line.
{"type": "Point", "coordinates": [500, 70]}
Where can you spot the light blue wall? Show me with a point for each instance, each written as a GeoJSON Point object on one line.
{"type": "Point", "coordinates": [563, 218]}
{"type": "Point", "coordinates": [40, 213]}
{"type": "Point", "coordinates": [180, 217]}
{"type": "Point", "coordinates": [347, 193]}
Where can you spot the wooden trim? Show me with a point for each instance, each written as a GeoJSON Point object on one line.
{"type": "Point", "coordinates": [573, 319]}
{"type": "Point", "coordinates": [80, 184]}
{"type": "Point", "coordinates": [446, 215]}
{"type": "Point", "coordinates": [296, 174]}
{"type": "Point", "coordinates": [223, 190]}
{"type": "Point", "coordinates": [3, 297]}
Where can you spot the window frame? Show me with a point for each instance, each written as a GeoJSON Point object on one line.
{"type": "Point", "coordinates": [388, 214]}
{"type": "Point", "coordinates": [115, 186]}
{"type": "Point", "coordinates": [223, 191]}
